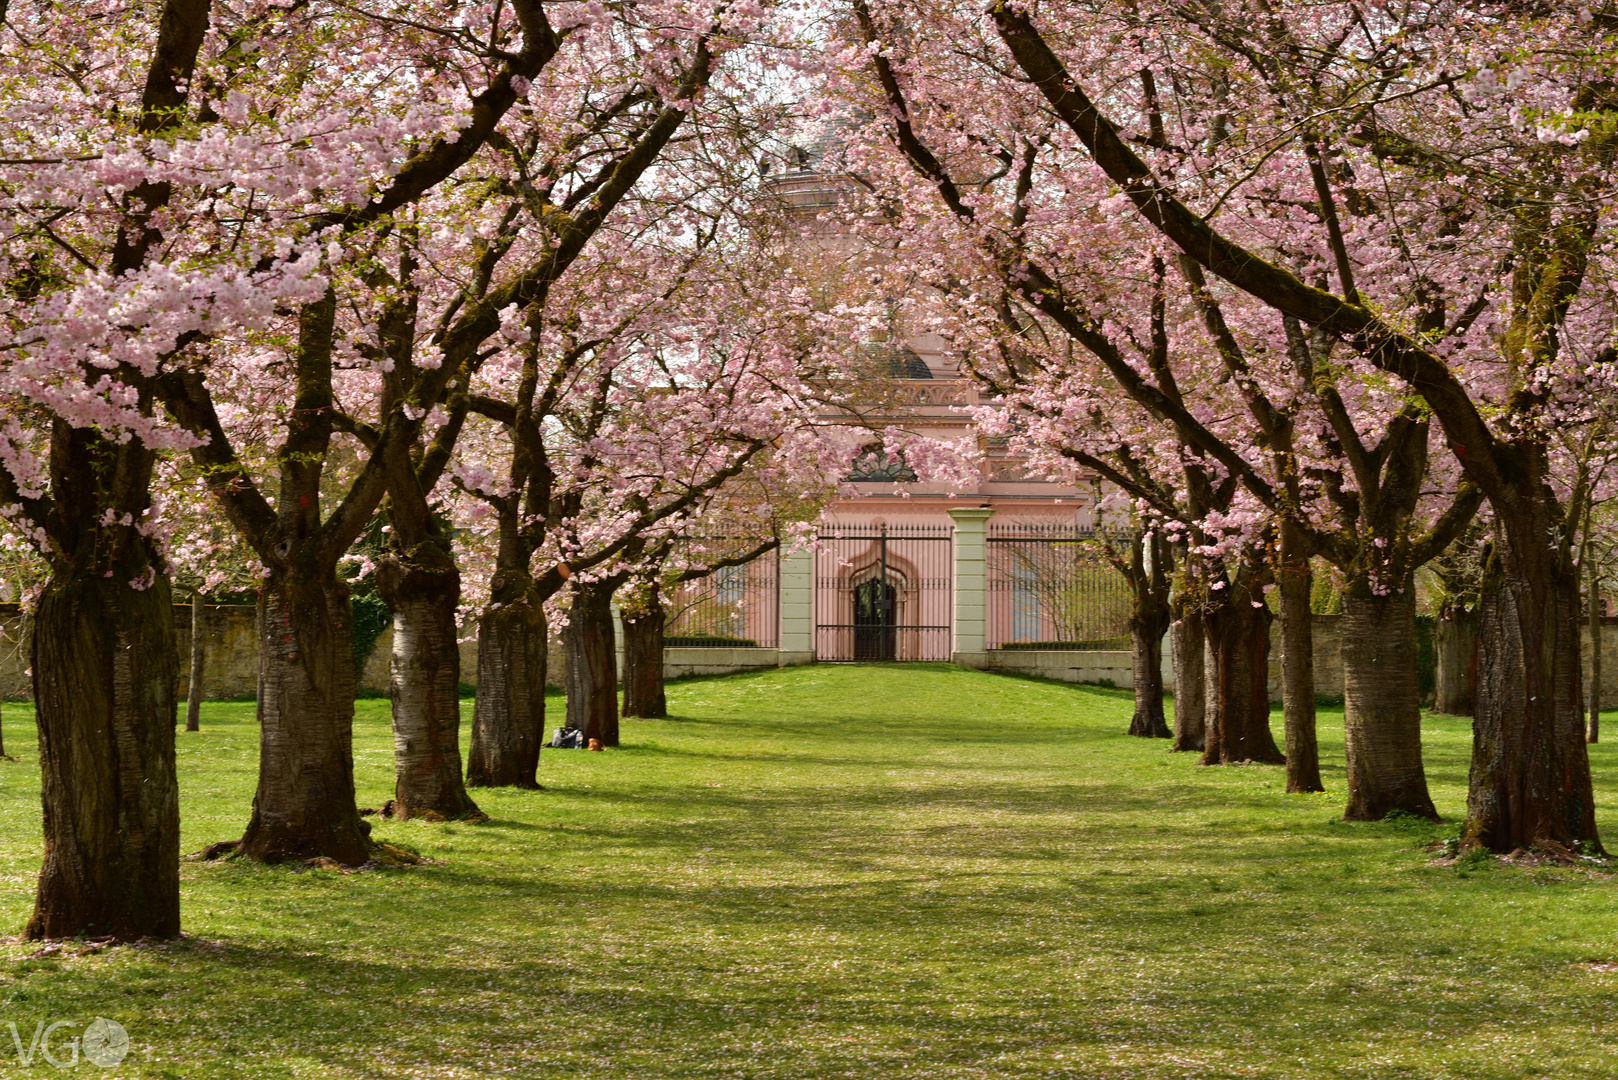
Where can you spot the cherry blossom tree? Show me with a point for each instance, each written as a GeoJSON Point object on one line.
{"type": "Point", "coordinates": [1534, 166]}
{"type": "Point", "coordinates": [114, 263]}
{"type": "Point", "coordinates": [620, 422]}
{"type": "Point", "coordinates": [1281, 198]}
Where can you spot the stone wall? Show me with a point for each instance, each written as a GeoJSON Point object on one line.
{"type": "Point", "coordinates": [374, 672]}
{"type": "Point", "coordinates": [230, 651]}
{"type": "Point", "coordinates": [1116, 667]}
{"type": "Point", "coordinates": [230, 665]}
{"type": "Point", "coordinates": [13, 654]}
{"type": "Point", "coordinates": [1328, 657]}
{"type": "Point", "coordinates": [704, 661]}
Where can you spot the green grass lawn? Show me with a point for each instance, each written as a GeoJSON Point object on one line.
{"type": "Point", "coordinates": [910, 870]}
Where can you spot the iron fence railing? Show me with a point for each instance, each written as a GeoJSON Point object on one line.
{"type": "Point", "coordinates": [1051, 587]}
{"type": "Point", "coordinates": [733, 607]}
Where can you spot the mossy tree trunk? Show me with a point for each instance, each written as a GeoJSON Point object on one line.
{"type": "Point", "coordinates": [592, 668]}
{"type": "Point", "coordinates": [193, 692]}
{"type": "Point", "coordinates": [104, 662]}
{"type": "Point", "coordinates": [1530, 778]}
{"type": "Point", "coordinates": [1190, 683]}
{"type": "Point", "coordinates": [1591, 567]}
{"type": "Point", "coordinates": [1382, 707]}
{"type": "Point", "coordinates": [1237, 634]}
{"type": "Point", "coordinates": [508, 717]}
{"type": "Point", "coordinates": [1149, 574]}
{"type": "Point", "coordinates": [304, 806]}
{"type": "Point", "coordinates": [1295, 581]}
{"type": "Point", "coordinates": [418, 580]}
{"type": "Point", "coordinates": [644, 694]}
{"type": "Point", "coordinates": [1455, 643]}
{"type": "Point", "coordinates": [423, 589]}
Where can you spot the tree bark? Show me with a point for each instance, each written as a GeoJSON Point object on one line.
{"type": "Point", "coordinates": [304, 807]}
{"type": "Point", "coordinates": [1146, 645]}
{"type": "Point", "coordinates": [644, 694]}
{"type": "Point", "coordinates": [1148, 621]}
{"type": "Point", "coordinates": [1190, 684]}
{"type": "Point", "coordinates": [1382, 707]}
{"type": "Point", "coordinates": [508, 718]}
{"type": "Point", "coordinates": [592, 676]}
{"type": "Point", "coordinates": [1296, 584]}
{"type": "Point", "coordinates": [1592, 731]}
{"type": "Point", "coordinates": [104, 662]}
{"type": "Point", "coordinates": [423, 589]}
{"type": "Point", "coordinates": [193, 690]}
{"type": "Point", "coordinates": [1530, 779]}
{"type": "Point", "coordinates": [1237, 669]}
{"type": "Point", "coordinates": [1455, 642]}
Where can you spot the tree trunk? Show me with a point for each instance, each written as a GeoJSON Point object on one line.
{"type": "Point", "coordinates": [1593, 730]}
{"type": "Point", "coordinates": [1296, 583]}
{"type": "Point", "coordinates": [193, 690]}
{"type": "Point", "coordinates": [1455, 641]}
{"type": "Point", "coordinates": [1237, 670]}
{"type": "Point", "coordinates": [1382, 707]}
{"type": "Point", "coordinates": [304, 807]}
{"type": "Point", "coordinates": [1146, 645]}
{"type": "Point", "coordinates": [423, 589]}
{"type": "Point", "coordinates": [508, 718]}
{"type": "Point", "coordinates": [592, 676]}
{"type": "Point", "coordinates": [1190, 686]}
{"type": "Point", "coordinates": [104, 659]}
{"type": "Point", "coordinates": [643, 662]}
{"type": "Point", "coordinates": [1530, 780]}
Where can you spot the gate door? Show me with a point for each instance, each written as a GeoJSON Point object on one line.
{"type": "Point", "coordinates": [883, 592]}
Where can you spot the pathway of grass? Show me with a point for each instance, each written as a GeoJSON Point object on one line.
{"type": "Point", "coordinates": [909, 870]}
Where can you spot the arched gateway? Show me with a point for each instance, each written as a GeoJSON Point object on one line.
{"type": "Point", "coordinates": [883, 592]}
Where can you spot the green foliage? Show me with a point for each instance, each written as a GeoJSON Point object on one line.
{"type": "Point", "coordinates": [1325, 595]}
{"type": "Point", "coordinates": [1092, 645]}
{"type": "Point", "coordinates": [371, 617]}
{"type": "Point", "coordinates": [1426, 657]}
{"type": "Point", "coordinates": [878, 872]}
{"type": "Point", "coordinates": [700, 640]}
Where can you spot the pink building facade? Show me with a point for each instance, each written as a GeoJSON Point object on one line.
{"type": "Point", "coordinates": [904, 569]}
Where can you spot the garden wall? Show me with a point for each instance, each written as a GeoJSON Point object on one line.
{"type": "Point", "coordinates": [1078, 666]}
{"type": "Point", "coordinates": [230, 665]}
{"type": "Point", "coordinates": [230, 656]}
{"type": "Point", "coordinates": [374, 672]}
{"type": "Point", "coordinates": [705, 661]}
{"type": "Point", "coordinates": [1328, 657]}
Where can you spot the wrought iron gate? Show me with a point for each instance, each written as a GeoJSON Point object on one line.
{"type": "Point", "coordinates": [883, 592]}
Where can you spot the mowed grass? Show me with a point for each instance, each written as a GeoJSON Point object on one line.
{"type": "Point", "coordinates": [880, 871]}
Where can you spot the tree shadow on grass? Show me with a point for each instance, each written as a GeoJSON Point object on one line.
{"type": "Point", "coordinates": [643, 987]}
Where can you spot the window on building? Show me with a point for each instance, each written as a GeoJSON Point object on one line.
{"type": "Point", "coordinates": [872, 464]}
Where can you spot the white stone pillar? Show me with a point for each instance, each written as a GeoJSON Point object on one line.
{"type": "Point", "coordinates": [797, 599]}
{"type": "Point", "coordinates": [971, 591]}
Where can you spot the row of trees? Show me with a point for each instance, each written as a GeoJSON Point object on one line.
{"type": "Point", "coordinates": [473, 295]}
{"type": "Point", "coordinates": [1306, 281]}
{"type": "Point", "coordinates": [483, 295]}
